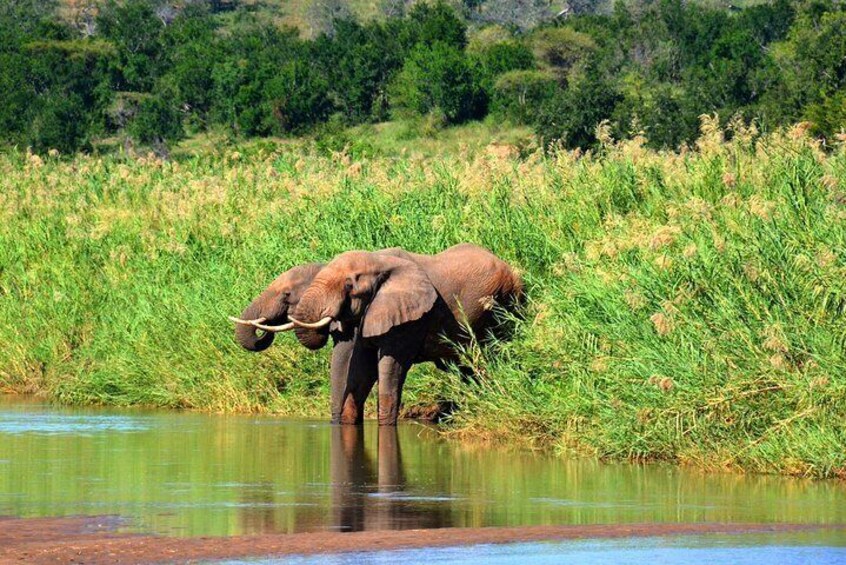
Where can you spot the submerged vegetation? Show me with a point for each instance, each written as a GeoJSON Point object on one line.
{"type": "Point", "coordinates": [683, 306]}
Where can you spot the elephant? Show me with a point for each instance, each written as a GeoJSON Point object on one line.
{"type": "Point", "coordinates": [272, 307]}
{"type": "Point", "coordinates": [392, 309]}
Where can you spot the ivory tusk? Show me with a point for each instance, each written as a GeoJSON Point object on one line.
{"type": "Point", "coordinates": [312, 326]}
{"type": "Point", "coordinates": [275, 329]}
{"type": "Point", "coordinates": [246, 322]}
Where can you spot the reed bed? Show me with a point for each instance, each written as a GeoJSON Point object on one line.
{"type": "Point", "coordinates": [684, 306]}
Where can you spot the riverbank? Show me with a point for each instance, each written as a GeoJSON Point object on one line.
{"type": "Point", "coordinates": [684, 307]}
{"type": "Point", "coordinates": [54, 540]}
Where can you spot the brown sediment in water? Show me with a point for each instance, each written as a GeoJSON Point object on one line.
{"type": "Point", "coordinates": [93, 539]}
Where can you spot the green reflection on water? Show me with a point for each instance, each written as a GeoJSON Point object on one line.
{"type": "Point", "coordinates": [198, 474]}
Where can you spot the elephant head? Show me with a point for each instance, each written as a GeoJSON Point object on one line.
{"type": "Point", "coordinates": [376, 290]}
{"type": "Point", "coordinates": [273, 306]}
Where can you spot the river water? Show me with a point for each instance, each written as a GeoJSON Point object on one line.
{"type": "Point", "coordinates": [188, 474]}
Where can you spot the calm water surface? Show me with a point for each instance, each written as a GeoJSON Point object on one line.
{"type": "Point", "coordinates": [684, 550]}
{"type": "Point", "coordinates": [192, 474]}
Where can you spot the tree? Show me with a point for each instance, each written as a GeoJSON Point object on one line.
{"type": "Point", "coordinates": [571, 117]}
{"type": "Point", "coordinates": [435, 23]}
{"type": "Point", "coordinates": [156, 121]}
{"type": "Point", "coordinates": [812, 77]}
{"type": "Point", "coordinates": [519, 95]}
{"type": "Point", "coordinates": [437, 77]}
{"type": "Point", "coordinates": [295, 98]}
{"type": "Point", "coordinates": [322, 15]}
{"type": "Point", "coordinates": [358, 63]}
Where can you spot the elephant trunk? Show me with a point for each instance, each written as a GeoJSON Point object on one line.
{"type": "Point", "coordinates": [308, 310]}
{"type": "Point", "coordinates": [248, 336]}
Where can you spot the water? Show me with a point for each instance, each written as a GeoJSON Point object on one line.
{"type": "Point", "coordinates": [683, 550]}
{"type": "Point", "coordinates": [713, 550]}
{"type": "Point", "coordinates": [187, 474]}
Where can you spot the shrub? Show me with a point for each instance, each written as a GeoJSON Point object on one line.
{"type": "Point", "coordinates": [295, 99]}
{"type": "Point", "coordinates": [156, 121]}
{"type": "Point", "coordinates": [560, 49]}
{"type": "Point", "coordinates": [518, 96]}
{"type": "Point", "coordinates": [437, 77]}
{"type": "Point", "coordinates": [572, 115]}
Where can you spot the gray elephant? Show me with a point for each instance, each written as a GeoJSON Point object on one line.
{"type": "Point", "coordinates": [468, 280]}
{"type": "Point", "coordinates": [269, 311]}
{"type": "Point", "coordinates": [394, 309]}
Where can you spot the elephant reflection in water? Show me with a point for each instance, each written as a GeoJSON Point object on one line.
{"type": "Point", "coordinates": [373, 497]}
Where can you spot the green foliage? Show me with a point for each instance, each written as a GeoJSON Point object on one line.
{"type": "Point", "coordinates": [813, 71]}
{"type": "Point", "coordinates": [431, 23]}
{"type": "Point", "coordinates": [560, 49]}
{"type": "Point", "coordinates": [503, 57]}
{"type": "Point", "coordinates": [662, 111]}
{"type": "Point", "coordinates": [296, 97]}
{"type": "Point", "coordinates": [440, 78]}
{"type": "Point", "coordinates": [518, 96]}
{"type": "Point", "coordinates": [681, 307]}
{"type": "Point", "coordinates": [571, 116]}
{"type": "Point", "coordinates": [137, 34]}
{"type": "Point", "coordinates": [358, 62]}
{"type": "Point", "coordinates": [156, 120]}
{"type": "Point", "coordinates": [667, 62]}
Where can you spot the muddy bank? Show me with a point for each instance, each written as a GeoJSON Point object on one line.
{"type": "Point", "coordinates": [95, 539]}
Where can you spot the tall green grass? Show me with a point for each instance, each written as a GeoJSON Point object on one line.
{"type": "Point", "coordinates": [683, 306]}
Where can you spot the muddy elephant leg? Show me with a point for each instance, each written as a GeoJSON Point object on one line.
{"type": "Point", "coordinates": [392, 373]}
{"type": "Point", "coordinates": [396, 355]}
{"type": "Point", "coordinates": [361, 376]}
{"type": "Point", "coordinates": [340, 368]}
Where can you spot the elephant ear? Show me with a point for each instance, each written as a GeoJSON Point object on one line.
{"type": "Point", "coordinates": [405, 296]}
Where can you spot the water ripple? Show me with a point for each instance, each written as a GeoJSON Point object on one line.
{"type": "Point", "coordinates": [55, 424]}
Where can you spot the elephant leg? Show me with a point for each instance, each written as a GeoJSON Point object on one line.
{"type": "Point", "coordinates": [361, 376]}
{"type": "Point", "coordinates": [340, 368]}
{"type": "Point", "coordinates": [397, 353]}
{"type": "Point", "coordinates": [392, 373]}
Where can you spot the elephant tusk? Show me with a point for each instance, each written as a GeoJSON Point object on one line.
{"type": "Point", "coordinates": [312, 326]}
{"type": "Point", "coordinates": [274, 329]}
{"type": "Point", "coordinates": [246, 322]}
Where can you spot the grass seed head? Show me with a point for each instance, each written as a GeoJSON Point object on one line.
{"type": "Point", "coordinates": [662, 322]}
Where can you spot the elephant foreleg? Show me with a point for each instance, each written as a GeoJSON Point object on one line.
{"type": "Point", "coordinates": [361, 375]}
{"type": "Point", "coordinates": [396, 355]}
{"type": "Point", "coordinates": [341, 356]}
{"type": "Point", "coordinates": [392, 373]}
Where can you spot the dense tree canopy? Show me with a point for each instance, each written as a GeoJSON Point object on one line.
{"type": "Point", "coordinates": [154, 71]}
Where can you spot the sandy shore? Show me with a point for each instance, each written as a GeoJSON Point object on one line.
{"type": "Point", "coordinates": [91, 540]}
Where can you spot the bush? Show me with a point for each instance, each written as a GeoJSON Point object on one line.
{"type": "Point", "coordinates": [435, 23]}
{"type": "Point", "coordinates": [663, 111]}
{"type": "Point", "coordinates": [493, 60]}
{"type": "Point", "coordinates": [156, 121]}
{"type": "Point", "coordinates": [518, 96]}
{"type": "Point", "coordinates": [437, 77]}
{"type": "Point", "coordinates": [59, 122]}
{"type": "Point", "coordinates": [561, 49]}
{"type": "Point", "coordinates": [295, 99]}
{"type": "Point", "coordinates": [572, 115]}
